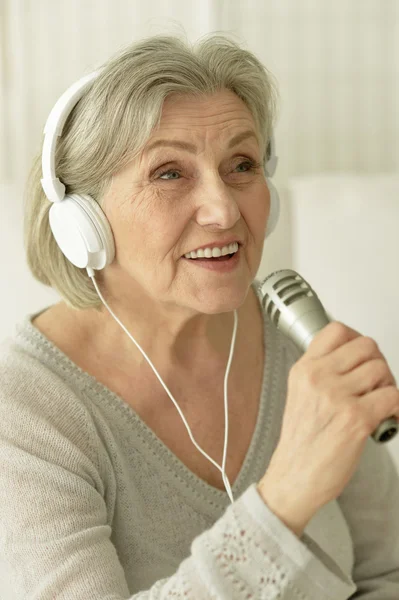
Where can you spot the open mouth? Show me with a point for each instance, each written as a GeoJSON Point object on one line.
{"type": "Point", "coordinates": [217, 259]}
{"type": "Point", "coordinates": [225, 258]}
{"type": "Point", "coordinates": [220, 264]}
{"type": "Point", "coordinates": [221, 254]}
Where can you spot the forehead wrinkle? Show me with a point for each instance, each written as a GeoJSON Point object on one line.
{"type": "Point", "coordinates": [208, 119]}
{"type": "Point", "coordinates": [223, 116]}
{"type": "Point", "coordinates": [182, 145]}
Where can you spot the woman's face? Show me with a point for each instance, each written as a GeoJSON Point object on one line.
{"type": "Point", "coordinates": [171, 201]}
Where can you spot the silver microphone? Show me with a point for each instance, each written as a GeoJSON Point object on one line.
{"type": "Point", "coordinates": [295, 309]}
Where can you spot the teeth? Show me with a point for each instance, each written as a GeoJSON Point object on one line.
{"type": "Point", "coordinates": [213, 252]}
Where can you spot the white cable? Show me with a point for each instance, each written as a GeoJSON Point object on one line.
{"type": "Point", "coordinates": [226, 482]}
{"type": "Point", "coordinates": [226, 411]}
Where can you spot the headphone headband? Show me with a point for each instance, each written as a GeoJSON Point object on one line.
{"type": "Point", "coordinates": [52, 186]}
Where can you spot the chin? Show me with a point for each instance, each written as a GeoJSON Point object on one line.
{"type": "Point", "coordinates": [223, 300]}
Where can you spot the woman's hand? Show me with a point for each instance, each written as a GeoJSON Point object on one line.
{"type": "Point", "coordinates": [339, 391]}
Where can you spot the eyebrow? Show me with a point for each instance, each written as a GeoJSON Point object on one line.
{"type": "Point", "coordinates": [240, 137]}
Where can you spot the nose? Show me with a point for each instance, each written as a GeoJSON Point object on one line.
{"type": "Point", "coordinates": [216, 205]}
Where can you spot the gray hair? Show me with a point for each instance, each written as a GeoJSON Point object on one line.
{"type": "Point", "coordinates": [112, 123]}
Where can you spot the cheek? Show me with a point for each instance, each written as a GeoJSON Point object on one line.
{"type": "Point", "coordinates": [159, 229]}
{"type": "Point", "coordinates": [256, 213]}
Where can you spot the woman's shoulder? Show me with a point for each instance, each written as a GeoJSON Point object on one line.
{"type": "Point", "coordinates": [41, 404]}
{"type": "Point", "coordinates": [45, 426]}
{"type": "Point", "coordinates": [33, 373]}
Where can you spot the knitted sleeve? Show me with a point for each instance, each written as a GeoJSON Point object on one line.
{"type": "Point", "coordinates": [370, 504]}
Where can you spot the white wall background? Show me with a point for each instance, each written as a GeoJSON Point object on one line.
{"type": "Point", "coordinates": [337, 65]}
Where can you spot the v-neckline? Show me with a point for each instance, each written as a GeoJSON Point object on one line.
{"type": "Point", "coordinates": [184, 476]}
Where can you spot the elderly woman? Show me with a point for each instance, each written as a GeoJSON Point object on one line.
{"type": "Point", "coordinates": [103, 492]}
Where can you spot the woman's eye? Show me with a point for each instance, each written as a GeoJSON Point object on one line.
{"type": "Point", "coordinates": [251, 166]}
{"type": "Point", "coordinates": [167, 173]}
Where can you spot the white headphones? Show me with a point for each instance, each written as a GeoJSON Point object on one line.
{"type": "Point", "coordinates": [79, 225]}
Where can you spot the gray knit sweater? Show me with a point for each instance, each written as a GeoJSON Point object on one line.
{"type": "Point", "coordinates": [93, 506]}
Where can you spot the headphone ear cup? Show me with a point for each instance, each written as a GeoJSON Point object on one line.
{"type": "Point", "coordinates": [274, 208]}
{"type": "Point", "coordinates": [82, 231]}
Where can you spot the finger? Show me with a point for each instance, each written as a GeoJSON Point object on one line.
{"type": "Point", "coordinates": [369, 376]}
{"type": "Point", "coordinates": [382, 404]}
{"type": "Point", "coordinates": [354, 353]}
{"type": "Point", "coordinates": [332, 336]}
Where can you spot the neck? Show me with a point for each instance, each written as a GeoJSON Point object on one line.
{"type": "Point", "coordinates": [172, 339]}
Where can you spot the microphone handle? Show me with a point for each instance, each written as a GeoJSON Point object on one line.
{"type": "Point", "coordinates": [388, 428]}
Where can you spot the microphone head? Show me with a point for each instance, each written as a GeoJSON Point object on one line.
{"type": "Point", "coordinates": [293, 306]}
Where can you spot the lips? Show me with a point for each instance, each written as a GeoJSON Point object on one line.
{"type": "Point", "coordinates": [222, 264]}
{"type": "Point", "coordinates": [208, 249]}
